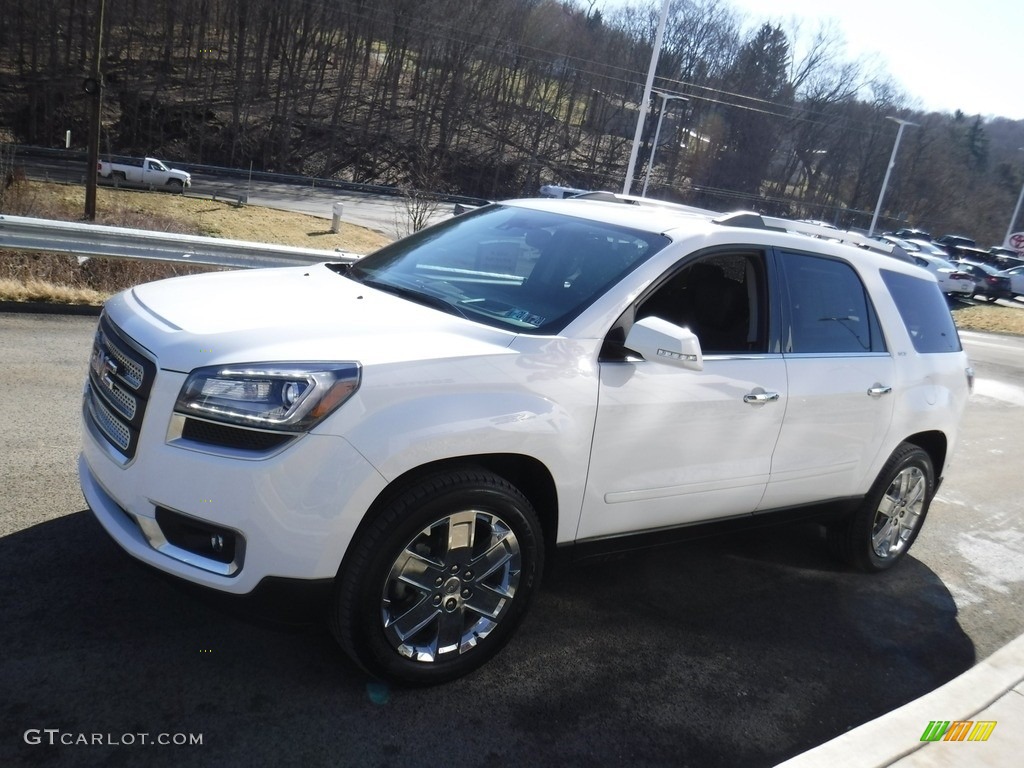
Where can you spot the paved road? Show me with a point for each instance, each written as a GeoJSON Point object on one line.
{"type": "Point", "coordinates": [733, 652]}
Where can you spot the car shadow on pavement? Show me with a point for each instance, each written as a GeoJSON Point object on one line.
{"type": "Point", "coordinates": [732, 651]}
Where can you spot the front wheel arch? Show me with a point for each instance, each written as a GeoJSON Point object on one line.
{"type": "Point", "coordinates": [529, 475]}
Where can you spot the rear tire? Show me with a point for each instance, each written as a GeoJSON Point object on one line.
{"type": "Point", "coordinates": [879, 534]}
{"type": "Point", "coordinates": [438, 580]}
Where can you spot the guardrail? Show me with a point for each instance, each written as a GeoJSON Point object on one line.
{"type": "Point", "coordinates": [77, 239]}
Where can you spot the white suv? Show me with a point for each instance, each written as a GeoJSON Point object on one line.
{"type": "Point", "coordinates": [414, 434]}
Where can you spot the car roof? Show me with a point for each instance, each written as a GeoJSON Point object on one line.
{"type": "Point", "coordinates": [679, 221]}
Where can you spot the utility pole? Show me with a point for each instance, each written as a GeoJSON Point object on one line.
{"type": "Point", "coordinates": [94, 88]}
{"type": "Point", "coordinates": [892, 161]}
{"type": "Point", "coordinates": [1016, 211]}
{"type": "Point", "coordinates": [641, 118]}
{"type": "Point", "coordinates": [665, 99]}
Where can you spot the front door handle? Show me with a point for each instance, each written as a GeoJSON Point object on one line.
{"type": "Point", "coordinates": [760, 398]}
{"type": "Point", "coordinates": [878, 390]}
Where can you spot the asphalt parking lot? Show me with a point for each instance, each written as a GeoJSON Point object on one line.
{"type": "Point", "coordinates": [724, 652]}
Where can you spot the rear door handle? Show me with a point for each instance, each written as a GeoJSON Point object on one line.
{"type": "Point", "coordinates": [760, 398]}
{"type": "Point", "coordinates": [878, 390]}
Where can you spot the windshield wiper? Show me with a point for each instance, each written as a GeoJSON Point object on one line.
{"type": "Point", "coordinates": [427, 299]}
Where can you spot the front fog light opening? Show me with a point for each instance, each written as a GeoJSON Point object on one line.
{"type": "Point", "coordinates": [212, 542]}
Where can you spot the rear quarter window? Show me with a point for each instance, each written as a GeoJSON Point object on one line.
{"type": "Point", "coordinates": [924, 312]}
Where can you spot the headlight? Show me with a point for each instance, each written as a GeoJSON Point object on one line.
{"type": "Point", "coordinates": [291, 397]}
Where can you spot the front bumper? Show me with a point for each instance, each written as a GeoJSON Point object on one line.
{"type": "Point", "coordinates": [290, 514]}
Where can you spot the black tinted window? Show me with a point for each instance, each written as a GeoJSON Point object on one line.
{"type": "Point", "coordinates": [924, 312]}
{"type": "Point", "coordinates": [829, 310]}
{"type": "Point", "coordinates": [721, 298]}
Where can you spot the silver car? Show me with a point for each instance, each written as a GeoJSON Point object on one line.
{"type": "Point", "coordinates": [1016, 275]}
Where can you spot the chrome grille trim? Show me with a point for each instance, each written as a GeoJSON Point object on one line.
{"type": "Point", "coordinates": [120, 379]}
{"type": "Point", "coordinates": [127, 405]}
{"type": "Point", "coordinates": [133, 376]}
{"type": "Point", "coordinates": [114, 429]}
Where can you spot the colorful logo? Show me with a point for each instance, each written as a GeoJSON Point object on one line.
{"type": "Point", "coordinates": [958, 730]}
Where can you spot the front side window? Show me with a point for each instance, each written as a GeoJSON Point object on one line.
{"type": "Point", "coordinates": [524, 270]}
{"type": "Point", "coordinates": [828, 309]}
{"type": "Point", "coordinates": [721, 298]}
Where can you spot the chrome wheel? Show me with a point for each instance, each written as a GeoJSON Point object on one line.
{"type": "Point", "coordinates": [899, 513]}
{"type": "Point", "coordinates": [450, 586]}
{"type": "Point", "coordinates": [878, 534]}
{"type": "Point", "coordinates": [439, 578]}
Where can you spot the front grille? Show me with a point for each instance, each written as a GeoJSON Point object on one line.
{"type": "Point", "coordinates": [120, 380]}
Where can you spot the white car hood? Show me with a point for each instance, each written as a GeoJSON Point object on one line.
{"type": "Point", "coordinates": [290, 314]}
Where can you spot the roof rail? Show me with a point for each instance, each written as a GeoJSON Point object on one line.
{"type": "Point", "coordinates": [614, 197]}
{"type": "Point", "coordinates": [820, 231]}
{"type": "Point", "coordinates": [752, 220]}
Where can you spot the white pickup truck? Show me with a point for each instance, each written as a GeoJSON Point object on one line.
{"type": "Point", "coordinates": [148, 171]}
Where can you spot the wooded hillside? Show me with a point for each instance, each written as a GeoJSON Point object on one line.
{"type": "Point", "coordinates": [493, 98]}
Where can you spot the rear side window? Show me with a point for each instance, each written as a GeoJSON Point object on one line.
{"type": "Point", "coordinates": [924, 312]}
{"type": "Point", "coordinates": [829, 309]}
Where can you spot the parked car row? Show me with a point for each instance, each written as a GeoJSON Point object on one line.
{"type": "Point", "coordinates": [961, 268]}
{"type": "Point", "coordinates": [989, 282]}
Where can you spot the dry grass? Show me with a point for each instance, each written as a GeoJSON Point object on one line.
{"type": "Point", "coordinates": [39, 290]}
{"type": "Point", "coordinates": [992, 318]}
{"type": "Point", "coordinates": [24, 275]}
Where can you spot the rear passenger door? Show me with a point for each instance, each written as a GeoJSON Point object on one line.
{"type": "Point", "coordinates": [840, 376]}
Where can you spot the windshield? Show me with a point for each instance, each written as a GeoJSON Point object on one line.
{"type": "Point", "coordinates": [528, 271]}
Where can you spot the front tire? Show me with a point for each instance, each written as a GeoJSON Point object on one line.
{"type": "Point", "coordinates": [879, 534]}
{"type": "Point", "coordinates": [438, 580]}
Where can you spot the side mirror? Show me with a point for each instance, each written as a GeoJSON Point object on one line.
{"type": "Point", "coordinates": [660, 341]}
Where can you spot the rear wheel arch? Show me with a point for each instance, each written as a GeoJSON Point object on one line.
{"type": "Point", "coordinates": [935, 444]}
{"type": "Point", "coordinates": [878, 534]}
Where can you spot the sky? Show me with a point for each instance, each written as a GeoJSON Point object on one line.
{"type": "Point", "coordinates": [944, 54]}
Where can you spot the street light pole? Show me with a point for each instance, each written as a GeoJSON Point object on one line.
{"type": "Point", "coordinates": [1016, 211]}
{"type": "Point", "coordinates": [642, 116]}
{"type": "Point", "coordinates": [665, 99]}
{"type": "Point", "coordinates": [892, 161]}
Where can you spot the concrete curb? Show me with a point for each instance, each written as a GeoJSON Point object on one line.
{"type": "Point", "coordinates": [995, 686]}
{"type": "Point", "coordinates": [47, 308]}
